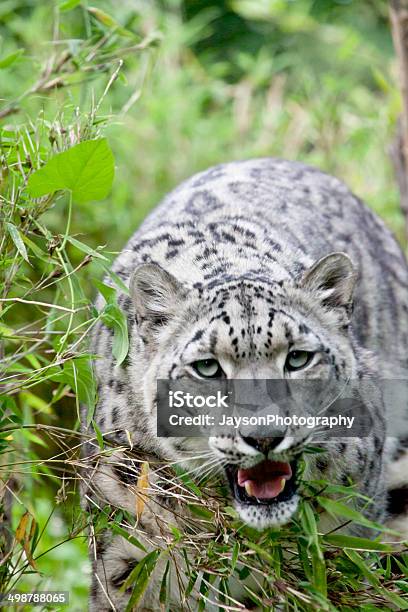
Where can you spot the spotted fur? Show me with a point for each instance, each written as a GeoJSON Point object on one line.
{"type": "Point", "coordinates": [244, 262]}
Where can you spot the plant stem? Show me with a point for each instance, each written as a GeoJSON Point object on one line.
{"type": "Point", "coordinates": [62, 247]}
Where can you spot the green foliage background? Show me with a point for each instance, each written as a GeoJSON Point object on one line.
{"type": "Point", "coordinates": [177, 87]}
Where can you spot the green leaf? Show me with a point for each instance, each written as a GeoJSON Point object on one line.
{"type": "Point", "coordinates": [36, 249]}
{"type": "Point", "coordinates": [399, 602]}
{"type": "Point", "coordinates": [86, 169]}
{"type": "Point", "coordinates": [356, 543]}
{"type": "Point", "coordinates": [7, 61]}
{"type": "Point", "coordinates": [198, 510]}
{"type": "Point", "coordinates": [33, 438]}
{"type": "Point", "coordinates": [309, 525]}
{"type": "Point", "coordinates": [68, 5]}
{"type": "Point", "coordinates": [331, 489]}
{"type": "Point", "coordinates": [163, 585]}
{"type": "Point", "coordinates": [303, 551]}
{"type": "Point", "coordinates": [186, 480]}
{"type": "Point", "coordinates": [381, 80]}
{"type": "Point", "coordinates": [204, 589]}
{"type": "Point", "coordinates": [231, 511]}
{"type": "Point", "coordinates": [116, 280]}
{"type": "Point", "coordinates": [85, 248]}
{"type": "Point", "coordinates": [140, 576]}
{"type": "Point", "coordinates": [402, 585]}
{"type": "Point", "coordinates": [260, 551]}
{"type": "Point", "coordinates": [235, 553]}
{"type": "Point", "coordinates": [114, 318]}
{"type": "Point", "coordinates": [8, 403]}
{"type": "Point", "coordinates": [35, 402]}
{"type": "Point", "coordinates": [176, 533]}
{"type": "Point", "coordinates": [99, 435]}
{"type": "Point", "coordinates": [108, 21]}
{"type": "Point", "coordinates": [339, 509]}
{"type": "Point", "coordinates": [403, 568]}
{"type": "Point", "coordinates": [108, 293]}
{"type": "Point", "coordinates": [129, 538]}
{"type": "Point", "coordinates": [373, 579]}
{"type": "Point", "coordinates": [18, 241]}
{"type": "Point", "coordinates": [308, 520]}
{"type": "Point", "coordinates": [78, 374]}
{"type": "Point", "coordinates": [191, 583]}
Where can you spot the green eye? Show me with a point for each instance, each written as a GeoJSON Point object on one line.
{"type": "Point", "coordinates": [296, 360]}
{"type": "Point", "coordinates": [208, 368]}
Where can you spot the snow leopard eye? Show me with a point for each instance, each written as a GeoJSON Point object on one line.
{"type": "Point", "coordinates": [296, 360]}
{"type": "Point", "coordinates": [208, 368]}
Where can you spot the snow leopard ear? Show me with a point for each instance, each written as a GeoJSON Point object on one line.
{"type": "Point", "coordinates": [333, 277]}
{"type": "Point", "coordinates": [156, 294]}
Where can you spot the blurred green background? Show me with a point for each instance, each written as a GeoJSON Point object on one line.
{"type": "Point", "coordinates": [306, 80]}
{"type": "Point", "coordinates": [311, 80]}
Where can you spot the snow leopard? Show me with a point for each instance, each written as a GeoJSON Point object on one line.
{"type": "Point", "coordinates": [259, 269]}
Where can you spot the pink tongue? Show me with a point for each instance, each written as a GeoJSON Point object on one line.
{"type": "Point", "coordinates": [265, 480]}
{"type": "Point", "coordinates": [264, 490]}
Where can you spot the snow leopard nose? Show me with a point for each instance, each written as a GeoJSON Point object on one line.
{"type": "Point", "coordinates": [264, 445]}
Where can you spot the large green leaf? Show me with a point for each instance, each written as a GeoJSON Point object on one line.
{"type": "Point", "coordinates": [87, 169]}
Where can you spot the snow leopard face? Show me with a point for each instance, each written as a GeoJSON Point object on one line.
{"type": "Point", "coordinates": [254, 328]}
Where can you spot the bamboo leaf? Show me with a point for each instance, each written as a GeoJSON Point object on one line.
{"type": "Point", "coordinates": [78, 374]}
{"type": "Point", "coordinates": [17, 239]}
{"type": "Point", "coordinates": [9, 60]}
{"type": "Point", "coordinates": [114, 318]}
{"type": "Point", "coordinates": [356, 543]}
{"type": "Point", "coordinates": [163, 585]}
{"type": "Point", "coordinates": [108, 21]}
{"type": "Point", "coordinates": [68, 5]}
{"type": "Point", "coordinates": [21, 528]}
{"type": "Point", "coordinates": [127, 536]}
{"type": "Point", "coordinates": [141, 488]}
{"type": "Point", "coordinates": [235, 553]}
{"type": "Point", "coordinates": [337, 508]}
{"type": "Point", "coordinates": [86, 249]}
{"type": "Point", "coordinates": [140, 576]}
{"type": "Point", "coordinates": [99, 436]}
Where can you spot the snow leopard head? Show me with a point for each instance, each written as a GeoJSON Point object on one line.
{"type": "Point", "coordinates": [253, 327]}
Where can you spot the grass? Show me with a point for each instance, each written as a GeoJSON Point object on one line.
{"type": "Point", "coordinates": [175, 88]}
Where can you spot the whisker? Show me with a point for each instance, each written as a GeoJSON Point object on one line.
{"type": "Point", "coordinates": [181, 460]}
{"type": "Point", "coordinates": [201, 467]}
{"type": "Point", "coordinates": [335, 399]}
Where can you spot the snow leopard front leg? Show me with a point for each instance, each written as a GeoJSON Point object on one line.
{"type": "Point", "coordinates": [112, 485]}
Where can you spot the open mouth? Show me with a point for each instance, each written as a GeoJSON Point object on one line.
{"type": "Point", "coordinates": [268, 482]}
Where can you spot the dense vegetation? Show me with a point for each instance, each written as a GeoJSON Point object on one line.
{"type": "Point", "coordinates": [174, 87]}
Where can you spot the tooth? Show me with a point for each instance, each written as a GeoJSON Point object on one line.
{"type": "Point", "coordinates": [248, 488]}
{"type": "Point", "coordinates": [283, 483]}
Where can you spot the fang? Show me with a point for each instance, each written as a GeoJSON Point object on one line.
{"type": "Point", "coordinates": [248, 488]}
